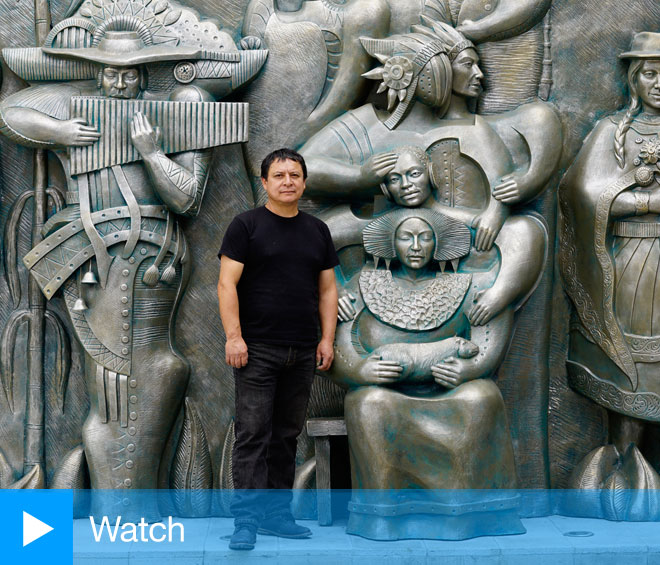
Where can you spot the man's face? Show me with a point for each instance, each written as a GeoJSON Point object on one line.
{"type": "Point", "coordinates": [408, 181]}
{"type": "Point", "coordinates": [466, 74]}
{"type": "Point", "coordinates": [285, 183]}
{"type": "Point", "coordinates": [120, 82]}
{"type": "Point", "coordinates": [648, 85]}
{"type": "Point", "coordinates": [414, 243]}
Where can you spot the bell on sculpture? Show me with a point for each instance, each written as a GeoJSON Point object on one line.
{"type": "Point", "coordinates": [79, 305]}
{"type": "Point", "coordinates": [89, 278]}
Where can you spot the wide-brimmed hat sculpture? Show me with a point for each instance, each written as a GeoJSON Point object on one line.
{"type": "Point", "coordinates": [116, 35]}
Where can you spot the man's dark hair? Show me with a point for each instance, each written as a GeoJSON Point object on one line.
{"type": "Point", "coordinates": [282, 155]}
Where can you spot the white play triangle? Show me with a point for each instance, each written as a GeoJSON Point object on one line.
{"type": "Point", "coordinates": [33, 528]}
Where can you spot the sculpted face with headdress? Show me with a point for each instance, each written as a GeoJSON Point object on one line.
{"type": "Point", "coordinates": [478, 166]}
{"type": "Point", "coordinates": [610, 229]}
{"type": "Point", "coordinates": [412, 363]}
{"type": "Point", "coordinates": [116, 250]}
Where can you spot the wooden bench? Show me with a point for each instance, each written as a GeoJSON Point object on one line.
{"type": "Point", "coordinates": [321, 429]}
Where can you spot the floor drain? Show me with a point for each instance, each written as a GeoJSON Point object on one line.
{"type": "Point", "coordinates": [579, 534]}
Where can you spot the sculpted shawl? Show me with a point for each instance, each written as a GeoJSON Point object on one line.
{"type": "Point", "coordinates": [589, 188]}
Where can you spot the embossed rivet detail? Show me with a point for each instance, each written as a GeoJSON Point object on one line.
{"type": "Point", "coordinates": [124, 313]}
{"type": "Point", "coordinates": [126, 326]}
{"type": "Point", "coordinates": [132, 431]}
{"type": "Point", "coordinates": [644, 176]}
{"type": "Point", "coordinates": [639, 140]}
{"type": "Point", "coordinates": [124, 339]}
{"type": "Point", "coordinates": [133, 399]}
{"type": "Point", "coordinates": [185, 72]}
{"type": "Point", "coordinates": [133, 415]}
{"type": "Point", "coordinates": [128, 482]}
{"type": "Point", "coordinates": [126, 502]}
{"type": "Point", "coordinates": [131, 447]}
{"type": "Point", "coordinates": [124, 299]}
{"type": "Point", "coordinates": [131, 260]}
{"type": "Point", "coordinates": [129, 464]}
{"type": "Point", "coordinates": [124, 350]}
{"type": "Point", "coordinates": [125, 272]}
{"type": "Point", "coordinates": [143, 251]}
{"type": "Point", "coordinates": [132, 383]}
{"type": "Point", "coordinates": [124, 287]}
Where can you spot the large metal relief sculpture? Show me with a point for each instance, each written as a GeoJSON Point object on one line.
{"type": "Point", "coordinates": [123, 94]}
{"type": "Point", "coordinates": [434, 145]}
{"type": "Point", "coordinates": [609, 258]}
{"type": "Point", "coordinates": [417, 338]}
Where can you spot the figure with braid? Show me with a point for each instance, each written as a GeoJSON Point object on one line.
{"type": "Point", "coordinates": [610, 260]}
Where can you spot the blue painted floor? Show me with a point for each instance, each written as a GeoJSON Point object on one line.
{"type": "Point", "coordinates": [545, 543]}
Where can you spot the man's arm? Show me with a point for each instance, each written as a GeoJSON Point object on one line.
{"type": "Point", "coordinates": [236, 353]}
{"type": "Point", "coordinates": [328, 317]}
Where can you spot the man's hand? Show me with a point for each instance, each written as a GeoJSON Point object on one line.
{"type": "Point", "coordinates": [376, 168]}
{"type": "Point", "coordinates": [236, 352]}
{"type": "Point", "coordinates": [145, 138]}
{"type": "Point", "coordinates": [325, 354]}
{"type": "Point", "coordinates": [76, 133]}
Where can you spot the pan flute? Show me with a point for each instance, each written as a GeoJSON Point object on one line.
{"type": "Point", "coordinates": [185, 126]}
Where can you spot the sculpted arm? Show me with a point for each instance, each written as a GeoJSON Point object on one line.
{"type": "Point", "coordinates": [534, 135]}
{"type": "Point", "coordinates": [337, 169]}
{"type": "Point", "coordinates": [327, 317]}
{"type": "Point", "coordinates": [33, 128]}
{"type": "Point", "coordinates": [180, 180]}
{"type": "Point", "coordinates": [510, 18]}
{"type": "Point", "coordinates": [492, 339]}
{"type": "Point", "coordinates": [636, 203]}
{"type": "Point", "coordinates": [236, 354]}
{"type": "Point", "coordinates": [332, 178]}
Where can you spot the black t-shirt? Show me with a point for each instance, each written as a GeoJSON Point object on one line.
{"type": "Point", "coordinates": [278, 292]}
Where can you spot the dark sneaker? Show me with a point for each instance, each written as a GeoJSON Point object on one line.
{"type": "Point", "coordinates": [284, 527]}
{"type": "Point", "coordinates": [244, 537]}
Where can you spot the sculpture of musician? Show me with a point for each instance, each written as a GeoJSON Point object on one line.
{"type": "Point", "coordinates": [480, 165]}
{"type": "Point", "coordinates": [116, 250]}
{"type": "Point", "coordinates": [610, 255]}
{"type": "Point", "coordinates": [421, 411]}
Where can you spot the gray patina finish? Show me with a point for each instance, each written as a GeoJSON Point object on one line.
{"type": "Point", "coordinates": [552, 427]}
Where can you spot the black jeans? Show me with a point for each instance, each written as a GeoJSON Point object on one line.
{"type": "Point", "coordinates": [272, 392]}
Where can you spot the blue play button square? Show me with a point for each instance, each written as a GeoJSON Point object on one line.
{"type": "Point", "coordinates": [37, 526]}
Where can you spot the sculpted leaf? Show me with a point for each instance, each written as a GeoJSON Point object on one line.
{"type": "Point", "coordinates": [160, 6]}
{"type": "Point", "coordinates": [191, 471]}
{"type": "Point", "coordinates": [10, 246]}
{"type": "Point", "coordinates": [72, 471]}
{"type": "Point", "coordinates": [172, 17]}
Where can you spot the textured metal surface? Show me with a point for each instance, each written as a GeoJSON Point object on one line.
{"type": "Point", "coordinates": [552, 427]}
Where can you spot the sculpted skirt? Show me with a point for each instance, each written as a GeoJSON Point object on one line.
{"type": "Point", "coordinates": [450, 444]}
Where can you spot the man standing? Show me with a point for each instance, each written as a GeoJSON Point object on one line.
{"type": "Point", "coordinates": [276, 284]}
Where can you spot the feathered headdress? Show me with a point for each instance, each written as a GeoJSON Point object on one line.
{"type": "Point", "coordinates": [404, 57]}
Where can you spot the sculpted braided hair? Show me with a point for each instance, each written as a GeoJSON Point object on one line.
{"type": "Point", "coordinates": [633, 109]}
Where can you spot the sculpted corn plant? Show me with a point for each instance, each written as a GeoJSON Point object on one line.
{"type": "Point", "coordinates": [36, 316]}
